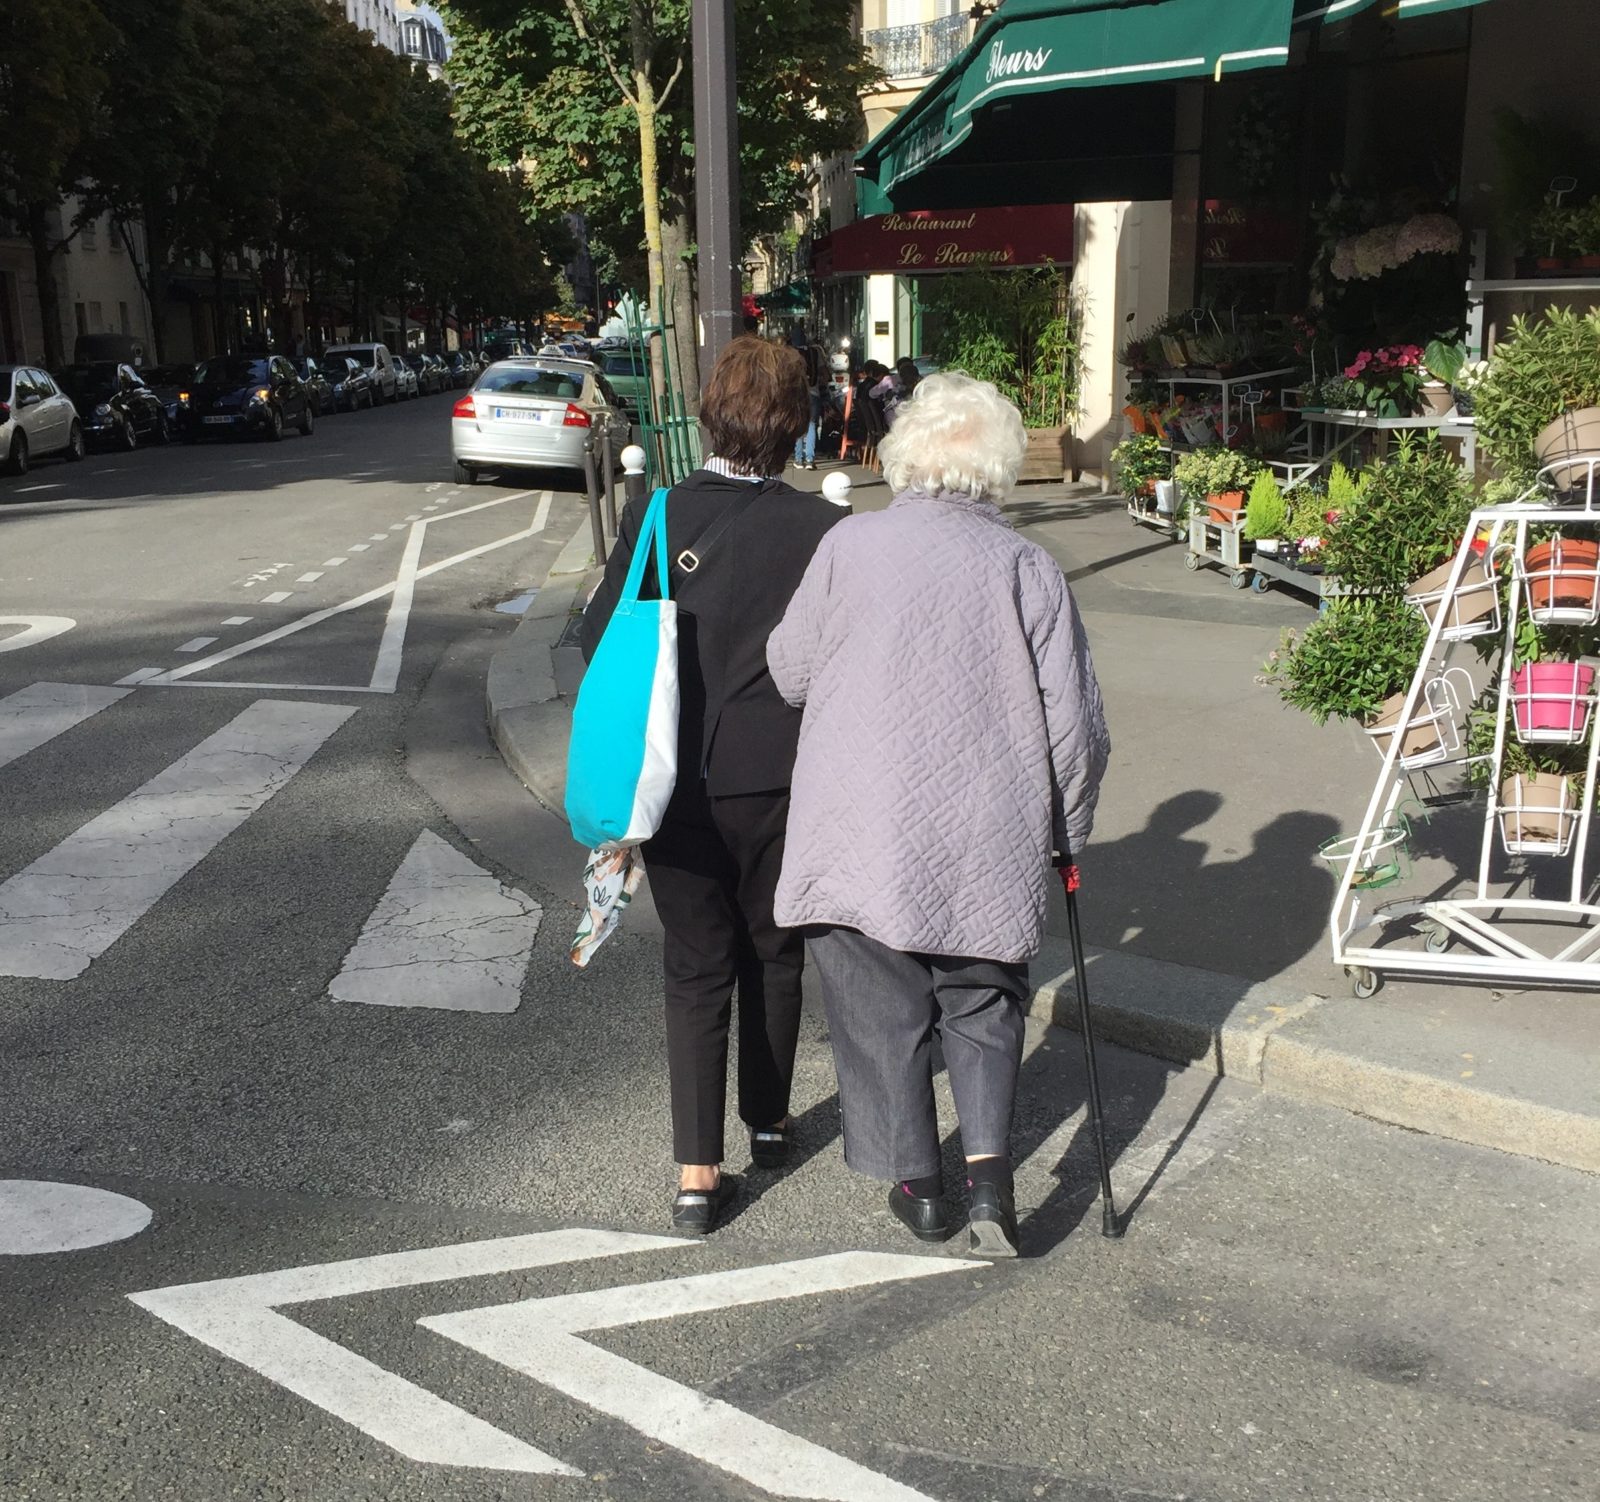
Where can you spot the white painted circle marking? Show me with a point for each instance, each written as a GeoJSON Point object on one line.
{"type": "Point", "coordinates": [35, 629]}
{"type": "Point", "coordinates": [37, 1217]}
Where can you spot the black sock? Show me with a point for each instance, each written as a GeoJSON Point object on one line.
{"type": "Point", "coordinates": [925, 1189]}
{"type": "Point", "coordinates": [990, 1171]}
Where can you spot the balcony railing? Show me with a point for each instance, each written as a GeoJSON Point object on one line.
{"type": "Point", "coordinates": [918, 51]}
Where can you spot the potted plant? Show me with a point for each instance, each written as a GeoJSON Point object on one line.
{"type": "Point", "coordinates": [1390, 379]}
{"type": "Point", "coordinates": [1551, 702]}
{"type": "Point", "coordinates": [1443, 363]}
{"type": "Point", "coordinates": [1562, 578]}
{"type": "Point", "coordinates": [1471, 609]}
{"type": "Point", "coordinates": [1266, 515]}
{"type": "Point", "coordinates": [1539, 400]}
{"type": "Point", "coordinates": [1137, 463]}
{"type": "Point", "coordinates": [1219, 474]}
{"type": "Point", "coordinates": [1539, 796]}
{"type": "Point", "coordinates": [1358, 654]}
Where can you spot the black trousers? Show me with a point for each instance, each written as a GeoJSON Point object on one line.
{"type": "Point", "coordinates": [713, 869]}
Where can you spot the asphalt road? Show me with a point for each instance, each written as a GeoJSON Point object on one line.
{"type": "Point", "coordinates": [1306, 1305]}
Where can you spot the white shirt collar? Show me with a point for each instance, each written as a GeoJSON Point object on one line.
{"type": "Point", "coordinates": [722, 467]}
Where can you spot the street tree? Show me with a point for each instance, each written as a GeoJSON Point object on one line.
{"type": "Point", "coordinates": [53, 77]}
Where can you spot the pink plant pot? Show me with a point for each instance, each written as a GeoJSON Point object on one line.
{"type": "Point", "coordinates": [1553, 698]}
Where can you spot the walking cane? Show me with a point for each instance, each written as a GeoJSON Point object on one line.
{"type": "Point", "coordinates": [1109, 1224]}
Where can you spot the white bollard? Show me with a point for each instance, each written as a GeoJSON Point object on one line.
{"type": "Point", "coordinates": [633, 460]}
{"type": "Point", "coordinates": [836, 488]}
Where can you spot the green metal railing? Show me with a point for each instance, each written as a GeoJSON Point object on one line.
{"type": "Point", "coordinates": [671, 435]}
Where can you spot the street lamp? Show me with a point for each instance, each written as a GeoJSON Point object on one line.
{"type": "Point", "coordinates": [716, 168]}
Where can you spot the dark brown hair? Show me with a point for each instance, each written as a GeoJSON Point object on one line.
{"type": "Point", "coordinates": [756, 404]}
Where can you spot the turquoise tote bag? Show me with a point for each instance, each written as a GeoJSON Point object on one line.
{"type": "Point", "coordinates": [622, 760]}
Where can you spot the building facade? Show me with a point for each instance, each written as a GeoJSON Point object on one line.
{"type": "Point", "coordinates": [423, 37]}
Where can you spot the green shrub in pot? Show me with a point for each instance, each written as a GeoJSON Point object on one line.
{"type": "Point", "coordinates": [1541, 370]}
{"type": "Point", "coordinates": [1137, 462]}
{"type": "Point", "coordinates": [1406, 518]}
{"type": "Point", "coordinates": [1266, 513]}
{"type": "Point", "coordinates": [1357, 653]}
{"type": "Point", "coordinates": [1214, 471]}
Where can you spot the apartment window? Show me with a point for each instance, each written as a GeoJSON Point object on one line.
{"type": "Point", "coordinates": [96, 318]}
{"type": "Point", "coordinates": [122, 317]}
{"type": "Point", "coordinates": [83, 317]}
{"type": "Point", "coordinates": [90, 235]}
{"type": "Point", "coordinates": [113, 239]}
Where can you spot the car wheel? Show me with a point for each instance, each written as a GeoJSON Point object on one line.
{"type": "Point", "coordinates": [127, 437]}
{"type": "Point", "coordinates": [308, 421]}
{"type": "Point", "coordinates": [274, 424]}
{"type": "Point", "coordinates": [465, 474]}
{"type": "Point", "coordinates": [17, 463]}
{"type": "Point", "coordinates": [394, 395]}
{"type": "Point", "coordinates": [76, 447]}
{"type": "Point", "coordinates": [163, 430]}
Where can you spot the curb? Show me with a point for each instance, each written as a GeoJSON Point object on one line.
{"type": "Point", "coordinates": [1288, 1045]}
{"type": "Point", "coordinates": [1283, 1041]}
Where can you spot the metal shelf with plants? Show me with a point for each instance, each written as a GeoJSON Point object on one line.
{"type": "Point", "coordinates": [1527, 577]}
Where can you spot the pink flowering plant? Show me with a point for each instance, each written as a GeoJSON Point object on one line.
{"type": "Point", "coordinates": [1389, 379]}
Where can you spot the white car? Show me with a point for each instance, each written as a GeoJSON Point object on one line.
{"type": "Point", "coordinates": [376, 360]}
{"type": "Point", "coordinates": [35, 419]}
{"type": "Point", "coordinates": [534, 411]}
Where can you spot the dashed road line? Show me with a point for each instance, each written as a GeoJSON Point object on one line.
{"type": "Point", "coordinates": [379, 537]}
{"type": "Point", "coordinates": [358, 547]}
{"type": "Point", "coordinates": [238, 620]}
{"type": "Point", "coordinates": [333, 562]}
{"type": "Point", "coordinates": [278, 598]}
{"type": "Point", "coordinates": [310, 578]}
{"type": "Point", "coordinates": [197, 643]}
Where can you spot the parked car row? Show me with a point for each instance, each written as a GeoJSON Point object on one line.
{"type": "Point", "coordinates": [118, 406]}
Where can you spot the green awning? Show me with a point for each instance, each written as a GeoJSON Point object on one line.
{"type": "Point", "coordinates": [1038, 46]}
{"type": "Point", "coordinates": [1329, 11]}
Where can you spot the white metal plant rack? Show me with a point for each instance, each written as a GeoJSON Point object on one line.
{"type": "Point", "coordinates": [1469, 934]}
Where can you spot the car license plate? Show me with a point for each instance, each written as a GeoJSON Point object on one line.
{"type": "Point", "coordinates": [520, 414]}
{"type": "Point", "coordinates": [217, 419]}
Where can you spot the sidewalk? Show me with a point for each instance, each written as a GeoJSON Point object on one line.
{"type": "Point", "coordinates": [1204, 905]}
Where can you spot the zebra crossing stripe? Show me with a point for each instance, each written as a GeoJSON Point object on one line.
{"type": "Point", "coordinates": [42, 711]}
{"type": "Point", "coordinates": [67, 908]}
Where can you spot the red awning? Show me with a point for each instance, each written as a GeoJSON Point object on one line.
{"type": "Point", "coordinates": [920, 241]}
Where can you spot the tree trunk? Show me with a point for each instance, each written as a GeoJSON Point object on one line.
{"type": "Point", "coordinates": [682, 308]}
{"type": "Point", "coordinates": [36, 218]}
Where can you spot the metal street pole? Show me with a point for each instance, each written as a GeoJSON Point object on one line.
{"type": "Point", "coordinates": [716, 168]}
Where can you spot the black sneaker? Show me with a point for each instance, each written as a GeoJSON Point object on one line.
{"type": "Point", "coordinates": [992, 1221]}
{"type": "Point", "coordinates": [926, 1218]}
{"type": "Point", "coordinates": [699, 1210]}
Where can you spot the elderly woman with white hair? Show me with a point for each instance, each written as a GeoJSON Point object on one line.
{"type": "Point", "coordinates": [953, 742]}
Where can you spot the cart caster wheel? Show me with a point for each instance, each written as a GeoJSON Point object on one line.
{"type": "Point", "coordinates": [1240, 580]}
{"type": "Point", "coordinates": [1191, 561]}
{"type": "Point", "coordinates": [1437, 940]}
{"type": "Point", "coordinates": [1364, 983]}
{"type": "Point", "coordinates": [1259, 583]}
{"type": "Point", "coordinates": [1178, 534]}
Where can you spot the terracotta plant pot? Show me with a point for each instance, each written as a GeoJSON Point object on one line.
{"type": "Point", "coordinates": [1470, 611]}
{"type": "Point", "coordinates": [1552, 701]}
{"type": "Point", "coordinates": [1272, 422]}
{"type": "Point", "coordinates": [1436, 399]}
{"type": "Point", "coordinates": [1538, 813]}
{"type": "Point", "coordinates": [1138, 419]}
{"type": "Point", "coordinates": [1227, 508]}
{"type": "Point", "coordinates": [1571, 435]}
{"type": "Point", "coordinates": [1563, 576]}
{"type": "Point", "coordinates": [1422, 739]}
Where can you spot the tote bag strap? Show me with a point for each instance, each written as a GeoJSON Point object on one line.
{"type": "Point", "coordinates": [652, 532]}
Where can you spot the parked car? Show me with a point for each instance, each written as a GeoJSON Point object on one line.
{"type": "Point", "coordinates": [234, 394]}
{"type": "Point", "coordinates": [36, 418]}
{"type": "Point", "coordinates": [457, 369]}
{"type": "Point", "coordinates": [531, 412]}
{"type": "Point", "coordinates": [376, 360]}
{"type": "Point", "coordinates": [505, 347]}
{"type": "Point", "coordinates": [115, 406]}
{"type": "Point", "coordinates": [352, 386]}
{"type": "Point", "coordinates": [431, 374]}
{"type": "Point", "coordinates": [407, 385]}
{"type": "Point", "coordinates": [167, 381]}
{"type": "Point", "coordinates": [629, 373]}
{"type": "Point", "coordinates": [318, 387]}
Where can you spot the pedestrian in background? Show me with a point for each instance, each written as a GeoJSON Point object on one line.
{"type": "Point", "coordinates": [953, 740]}
{"type": "Point", "coordinates": [742, 539]}
{"type": "Point", "coordinates": [805, 448]}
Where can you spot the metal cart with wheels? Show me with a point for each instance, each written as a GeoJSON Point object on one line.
{"type": "Point", "coordinates": [1220, 544]}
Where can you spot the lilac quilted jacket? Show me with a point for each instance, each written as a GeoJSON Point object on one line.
{"type": "Point", "coordinates": [953, 730]}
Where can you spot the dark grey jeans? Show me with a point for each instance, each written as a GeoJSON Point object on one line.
{"type": "Point", "coordinates": [884, 1008]}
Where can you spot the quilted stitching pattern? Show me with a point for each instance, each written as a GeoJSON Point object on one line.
{"type": "Point", "coordinates": [953, 731]}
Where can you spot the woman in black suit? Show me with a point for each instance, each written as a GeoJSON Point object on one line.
{"type": "Point", "coordinates": [714, 862]}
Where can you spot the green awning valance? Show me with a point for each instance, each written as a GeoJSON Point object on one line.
{"type": "Point", "coordinates": [1037, 46]}
{"type": "Point", "coordinates": [1327, 11]}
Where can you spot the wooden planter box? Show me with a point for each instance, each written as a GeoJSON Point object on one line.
{"type": "Point", "coordinates": [1050, 454]}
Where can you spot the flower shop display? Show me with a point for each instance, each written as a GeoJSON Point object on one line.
{"type": "Point", "coordinates": [1538, 813]}
{"type": "Point", "coordinates": [1390, 379]}
{"type": "Point", "coordinates": [1471, 609]}
{"type": "Point", "coordinates": [1266, 516]}
{"type": "Point", "coordinates": [1221, 475]}
{"type": "Point", "coordinates": [1137, 463]}
{"type": "Point", "coordinates": [1428, 736]}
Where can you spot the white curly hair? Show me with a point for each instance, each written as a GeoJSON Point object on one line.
{"type": "Point", "coordinates": [958, 434]}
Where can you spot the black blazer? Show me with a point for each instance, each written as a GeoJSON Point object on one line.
{"type": "Point", "coordinates": [732, 724]}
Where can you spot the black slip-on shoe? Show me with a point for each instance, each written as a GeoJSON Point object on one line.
{"type": "Point", "coordinates": [699, 1210]}
{"type": "Point", "coordinates": [926, 1219]}
{"type": "Point", "coordinates": [770, 1146]}
{"type": "Point", "coordinates": [992, 1221]}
